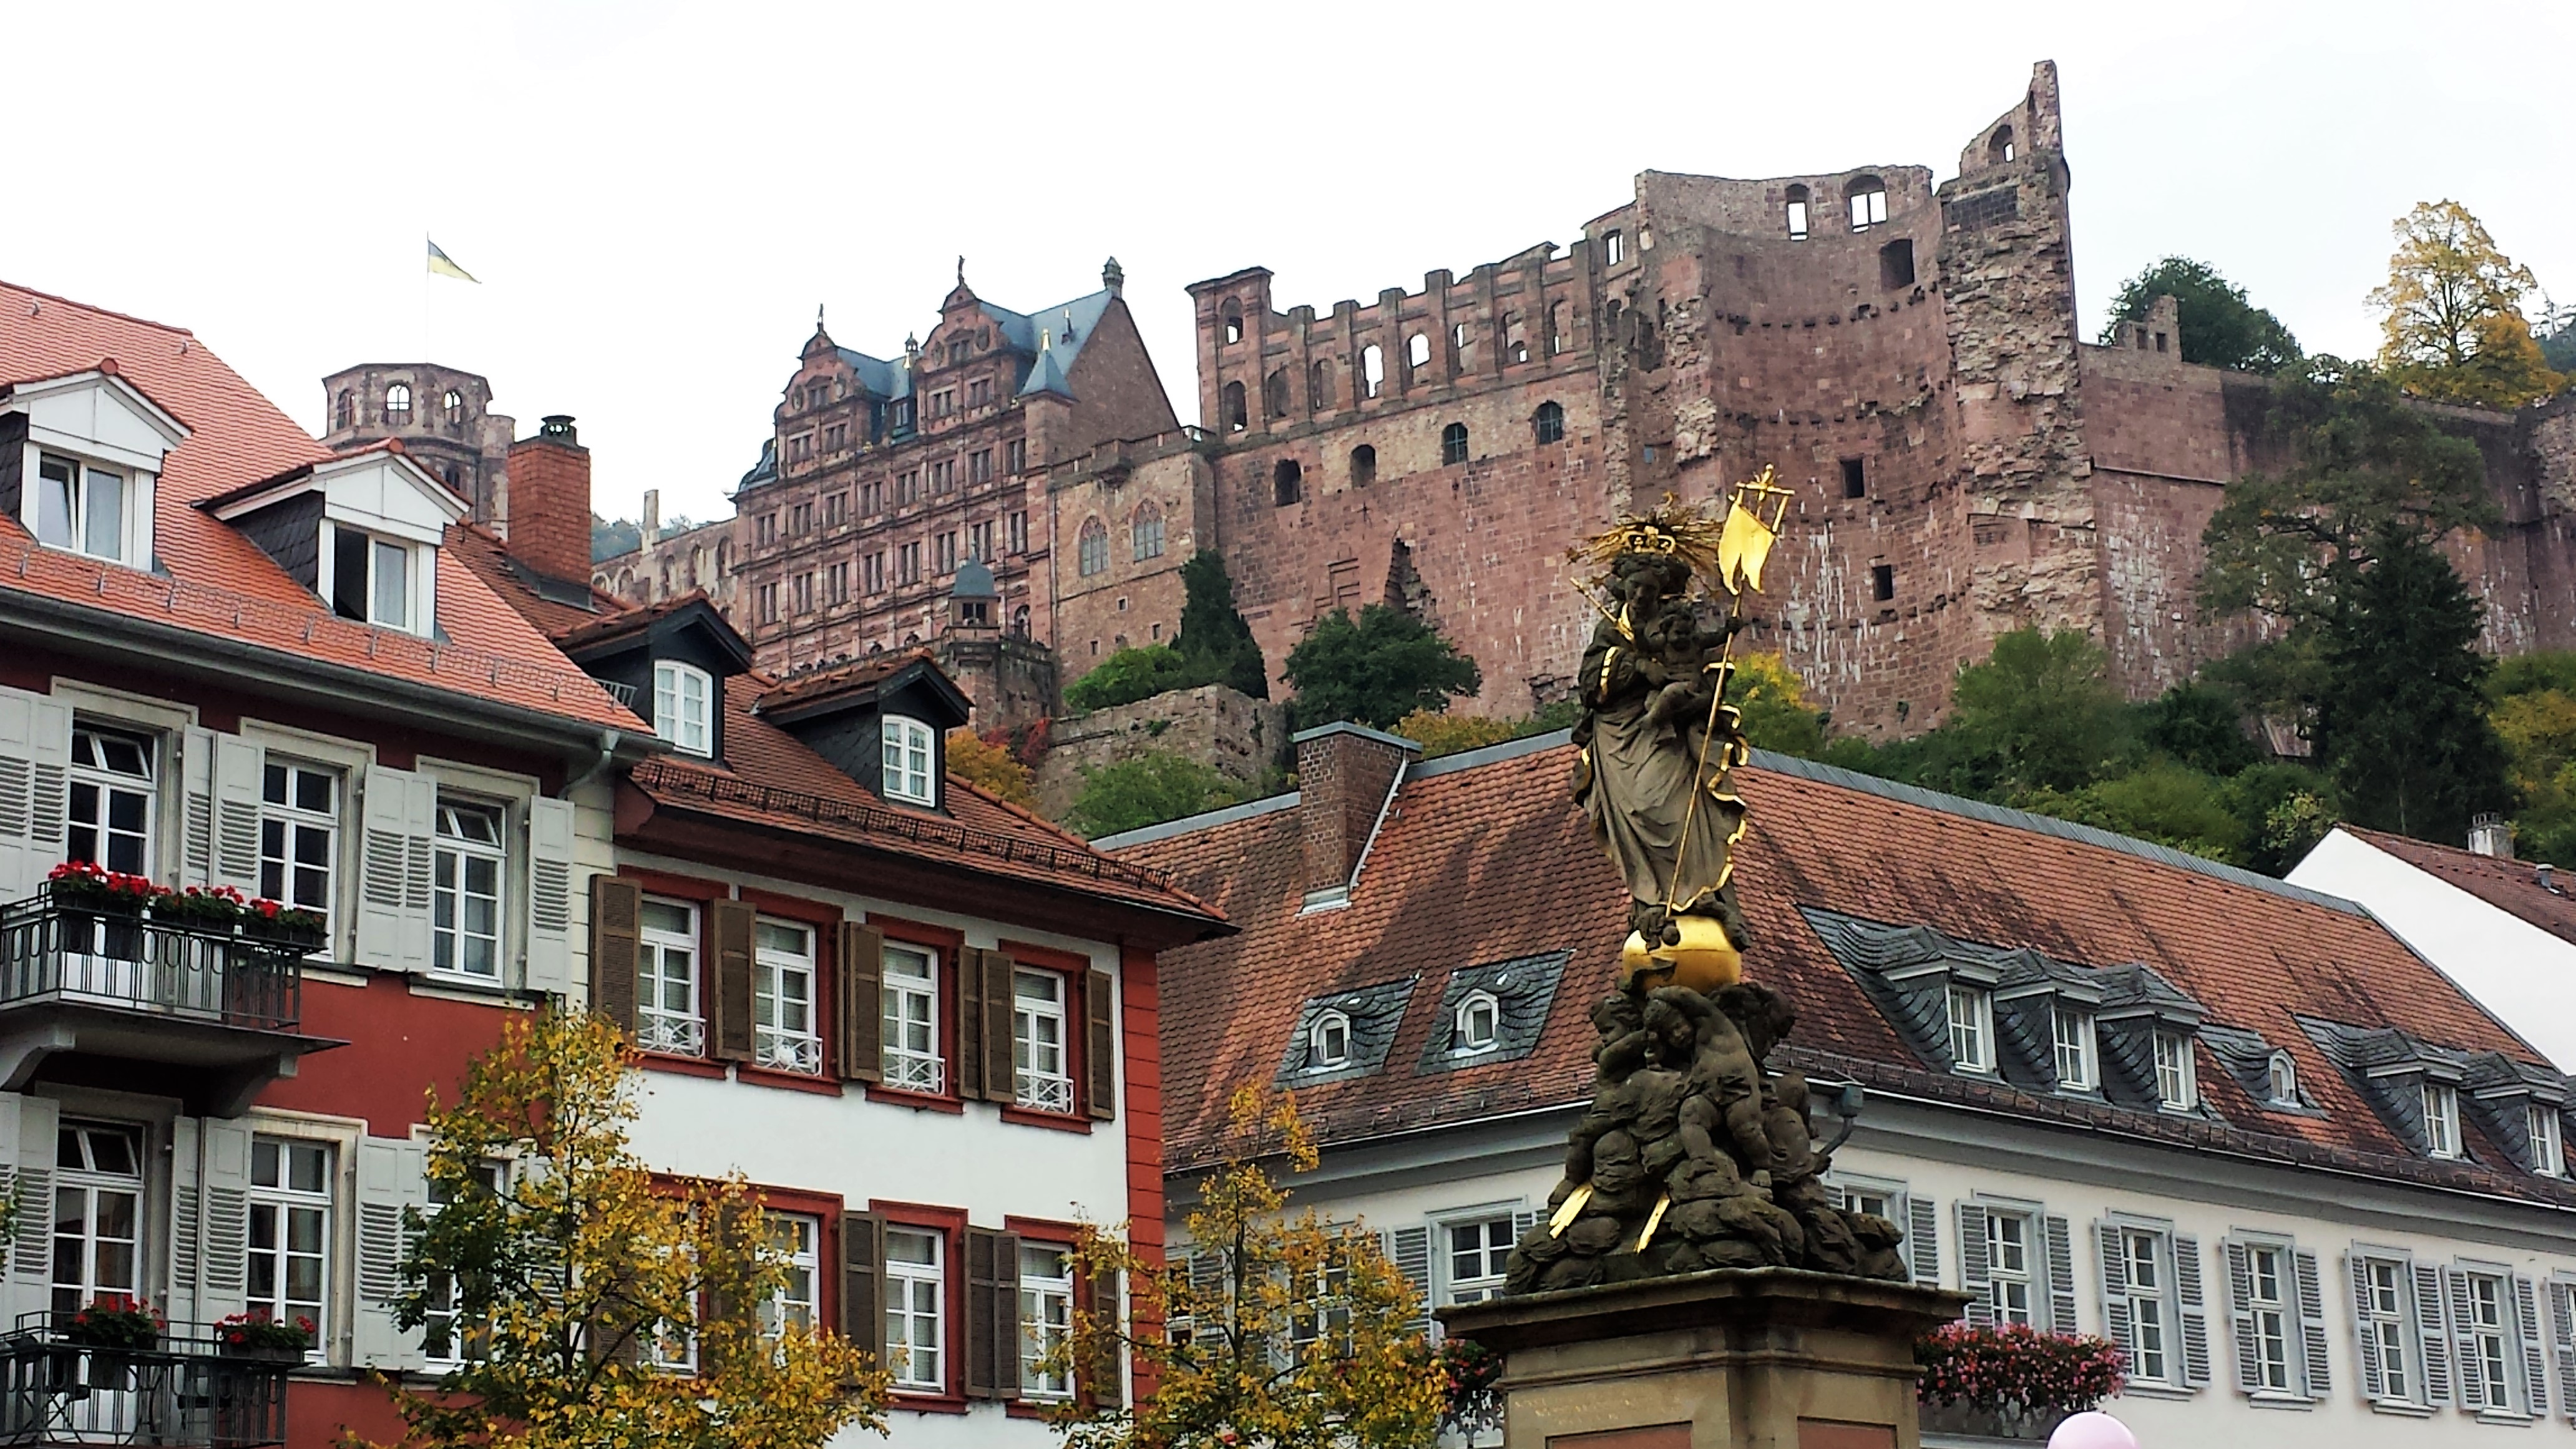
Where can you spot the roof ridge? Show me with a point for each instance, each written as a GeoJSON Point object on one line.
{"type": "Point", "coordinates": [95, 309]}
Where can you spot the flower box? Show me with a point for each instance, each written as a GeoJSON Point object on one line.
{"type": "Point", "coordinates": [112, 1321]}
{"type": "Point", "coordinates": [2009, 1382]}
{"type": "Point", "coordinates": [259, 1337]}
{"type": "Point", "coordinates": [2012, 1423]}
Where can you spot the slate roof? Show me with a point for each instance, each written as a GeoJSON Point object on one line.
{"type": "Point", "coordinates": [2512, 886]}
{"type": "Point", "coordinates": [1484, 856]}
{"type": "Point", "coordinates": [214, 580]}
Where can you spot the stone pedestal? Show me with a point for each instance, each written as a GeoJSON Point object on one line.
{"type": "Point", "coordinates": [1761, 1358]}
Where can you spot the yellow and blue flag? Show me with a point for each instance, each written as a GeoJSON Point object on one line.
{"type": "Point", "coordinates": [441, 266]}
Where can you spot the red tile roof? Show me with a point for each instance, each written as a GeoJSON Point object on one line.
{"type": "Point", "coordinates": [218, 582]}
{"type": "Point", "coordinates": [2512, 886]}
{"type": "Point", "coordinates": [1486, 857]}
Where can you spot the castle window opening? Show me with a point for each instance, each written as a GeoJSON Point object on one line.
{"type": "Point", "coordinates": [1453, 443]}
{"type": "Point", "coordinates": [1458, 345]}
{"type": "Point", "coordinates": [1093, 553]}
{"type": "Point", "coordinates": [455, 479]}
{"type": "Point", "coordinates": [1515, 342]}
{"type": "Point", "coordinates": [1614, 248]}
{"type": "Point", "coordinates": [2160, 342]}
{"type": "Point", "coordinates": [1896, 264]}
{"type": "Point", "coordinates": [1882, 582]}
{"type": "Point", "coordinates": [1417, 353]}
{"type": "Point", "coordinates": [1797, 213]}
{"type": "Point", "coordinates": [344, 413]}
{"type": "Point", "coordinates": [1868, 198]}
{"type": "Point", "coordinates": [1274, 394]}
{"type": "Point", "coordinates": [1145, 534]}
{"type": "Point", "coordinates": [1287, 482]}
{"type": "Point", "coordinates": [979, 391]}
{"type": "Point", "coordinates": [1231, 318]}
{"type": "Point", "coordinates": [1231, 410]}
{"type": "Point", "coordinates": [1319, 385]}
{"type": "Point", "coordinates": [1363, 466]}
{"type": "Point", "coordinates": [1556, 341]}
{"type": "Point", "coordinates": [454, 403]}
{"type": "Point", "coordinates": [1999, 146]}
{"type": "Point", "coordinates": [398, 403]}
{"type": "Point", "coordinates": [1158, 632]}
{"type": "Point", "coordinates": [959, 351]}
{"type": "Point", "coordinates": [1855, 478]}
{"type": "Point", "coordinates": [1020, 621]}
{"type": "Point", "coordinates": [1548, 423]}
{"type": "Point", "coordinates": [1373, 367]}
{"type": "Point", "coordinates": [1645, 238]}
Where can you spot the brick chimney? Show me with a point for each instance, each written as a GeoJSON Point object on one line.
{"type": "Point", "coordinates": [1345, 774]}
{"type": "Point", "coordinates": [549, 527]}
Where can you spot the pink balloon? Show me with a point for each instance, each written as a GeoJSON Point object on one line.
{"type": "Point", "coordinates": [2092, 1430]}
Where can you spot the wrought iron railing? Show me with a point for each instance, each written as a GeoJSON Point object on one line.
{"type": "Point", "coordinates": [61, 949]}
{"type": "Point", "coordinates": [186, 1390]}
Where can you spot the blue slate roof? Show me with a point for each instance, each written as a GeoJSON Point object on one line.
{"type": "Point", "coordinates": [880, 377]}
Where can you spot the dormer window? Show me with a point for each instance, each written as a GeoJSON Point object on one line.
{"type": "Point", "coordinates": [911, 755]}
{"type": "Point", "coordinates": [684, 707]}
{"type": "Point", "coordinates": [376, 580]}
{"type": "Point", "coordinates": [1972, 1029]}
{"type": "Point", "coordinates": [87, 450]}
{"type": "Point", "coordinates": [81, 506]}
{"type": "Point", "coordinates": [1478, 1022]}
{"type": "Point", "coordinates": [2177, 1085]}
{"type": "Point", "coordinates": [2076, 1060]}
{"type": "Point", "coordinates": [2442, 1120]}
{"type": "Point", "coordinates": [1328, 1042]}
{"type": "Point", "coordinates": [2548, 1148]}
{"type": "Point", "coordinates": [2283, 1081]}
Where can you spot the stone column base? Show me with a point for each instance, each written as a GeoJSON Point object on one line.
{"type": "Point", "coordinates": [1732, 1358]}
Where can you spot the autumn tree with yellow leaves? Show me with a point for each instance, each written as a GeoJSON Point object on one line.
{"type": "Point", "coordinates": [2454, 330]}
{"type": "Point", "coordinates": [597, 1307]}
{"type": "Point", "coordinates": [1278, 1331]}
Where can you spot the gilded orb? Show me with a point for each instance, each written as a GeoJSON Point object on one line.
{"type": "Point", "coordinates": [1704, 960]}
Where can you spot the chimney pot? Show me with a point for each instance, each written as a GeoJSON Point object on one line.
{"type": "Point", "coordinates": [557, 427]}
{"type": "Point", "coordinates": [2489, 835]}
{"type": "Point", "coordinates": [652, 514]}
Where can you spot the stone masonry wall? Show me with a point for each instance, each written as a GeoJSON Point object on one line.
{"type": "Point", "coordinates": [1239, 736]}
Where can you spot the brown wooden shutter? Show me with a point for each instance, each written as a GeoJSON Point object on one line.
{"type": "Point", "coordinates": [1001, 1077]}
{"type": "Point", "coordinates": [863, 1284]}
{"type": "Point", "coordinates": [1098, 1380]}
{"type": "Point", "coordinates": [862, 1003]}
{"type": "Point", "coordinates": [616, 943]}
{"type": "Point", "coordinates": [729, 1011]}
{"type": "Point", "coordinates": [967, 1079]}
{"type": "Point", "coordinates": [1005, 1317]}
{"type": "Point", "coordinates": [1100, 1047]}
{"type": "Point", "coordinates": [991, 1326]}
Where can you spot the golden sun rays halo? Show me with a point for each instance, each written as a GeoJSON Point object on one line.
{"type": "Point", "coordinates": [1716, 545]}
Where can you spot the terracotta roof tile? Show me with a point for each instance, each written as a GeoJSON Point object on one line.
{"type": "Point", "coordinates": [218, 582]}
{"type": "Point", "coordinates": [1494, 860]}
{"type": "Point", "coordinates": [2512, 886]}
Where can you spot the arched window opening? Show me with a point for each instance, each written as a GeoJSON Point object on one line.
{"type": "Point", "coordinates": [1145, 534]}
{"type": "Point", "coordinates": [2284, 1079]}
{"type": "Point", "coordinates": [1614, 248]}
{"type": "Point", "coordinates": [1417, 353]}
{"type": "Point", "coordinates": [1230, 317]}
{"type": "Point", "coordinates": [398, 403]}
{"type": "Point", "coordinates": [724, 556]}
{"type": "Point", "coordinates": [1363, 466]}
{"type": "Point", "coordinates": [1020, 621]}
{"type": "Point", "coordinates": [1453, 443]}
{"type": "Point", "coordinates": [1549, 423]}
{"type": "Point", "coordinates": [1092, 554]}
{"type": "Point", "coordinates": [1328, 1042]}
{"type": "Point", "coordinates": [1373, 368]}
{"type": "Point", "coordinates": [1319, 385]}
{"type": "Point", "coordinates": [1461, 350]}
{"type": "Point", "coordinates": [455, 479]}
{"type": "Point", "coordinates": [1557, 341]}
{"type": "Point", "coordinates": [1999, 146]}
{"type": "Point", "coordinates": [1477, 1026]}
{"type": "Point", "coordinates": [1230, 410]}
{"type": "Point", "coordinates": [1868, 198]}
{"type": "Point", "coordinates": [344, 413]}
{"type": "Point", "coordinates": [454, 405]}
{"type": "Point", "coordinates": [1274, 394]}
{"type": "Point", "coordinates": [1287, 482]}
{"type": "Point", "coordinates": [1797, 213]}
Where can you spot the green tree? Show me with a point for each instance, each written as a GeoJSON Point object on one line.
{"type": "Point", "coordinates": [991, 765]}
{"type": "Point", "coordinates": [2534, 711]}
{"type": "Point", "coordinates": [2556, 329]}
{"type": "Point", "coordinates": [1130, 675]}
{"type": "Point", "coordinates": [2201, 726]}
{"type": "Point", "coordinates": [2040, 713]}
{"type": "Point", "coordinates": [2454, 328]}
{"type": "Point", "coordinates": [2284, 809]}
{"type": "Point", "coordinates": [1375, 669]}
{"type": "Point", "coordinates": [2402, 723]}
{"type": "Point", "coordinates": [1300, 1334]}
{"type": "Point", "coordinates": [561, 1277]}
{"type": "Point", "coordinates": [2168, 803]}
{"type": "Point", "coordinates": [1214, 640]}
{"type": "Point", "coordinates": [1149, 789]}
{"type": "Point", "coordinates": [1773, 702]}
{"type": "Point", "coordinates": [2220, 326]}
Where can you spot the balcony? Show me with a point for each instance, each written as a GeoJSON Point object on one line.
{"type": "Point", "coordinates": [185, 1391]}
{"type": "Point", "coordinates": [215, 1009]}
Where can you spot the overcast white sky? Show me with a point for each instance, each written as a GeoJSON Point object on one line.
{"type": "Point", "coordinates": [656, 196]}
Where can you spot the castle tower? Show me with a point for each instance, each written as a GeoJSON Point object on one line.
{"type": "Point", "coordinates": [443, 417]}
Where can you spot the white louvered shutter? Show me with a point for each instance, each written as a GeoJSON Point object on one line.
{"type": "Point", "coordinates": [2562, 1343]}
{"type": "Point", "coordinates": [2061, 1277]}
{"type": "Point", "coordinates": [2527, 1331]}
{"type": "Point", "coordinates": [2240, 1316]}
{"type": "Point", "coordinates": [35, 774]}
{"type": "Point", "coordinates": [186, 1222]}
{"type": "Point", "coordinates": [1522, 1221]}
{"type": "Point", "coordinates": [2373, 1382]}
{"type": "Point", "coordinates": [197, 807]}
{"type": "Point", "coordinates": [1412, 1257]}
{"type": "Point", "coordinates": [2472, 1380]}
{"type": "Point", "coordinates": [399, 816]}
{"type": "Point", "coordinates": [31, 1151]}
{"type": "Point", "coordinates": [1972, 1265]}
{"type": "Point", "coordinates": [1923, 1240]}
{"type": "Point", "coordinates": [391, 1178]}
{"type": "Point", "coordinates": [238, 766]}
{"type": "Point", "coordinates": [2115, 1287]}
{"type": "Point", "coordinates": [2315, 1375]}
{"type": "Point", "coordinates": [2431, 1322]}
{"type": "Point", "coordinates": [550, 896]}
{"type": "Point", "coordinates": [2195, 1314]}
{"type": "Point", "coordinates": [223, 1238]}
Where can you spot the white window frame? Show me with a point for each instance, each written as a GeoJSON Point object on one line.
{"type": "Point", "coordinates": [2177, 1074]}
{"type": "Point", "coordinates": [496, 1175]}
{"type": "Point", "coordinates": [2492, 1335]}
{"type": "Point", "coordinates": [660, 1027]}
{"type": "Point", "coordinates": [916, 1300]}
{"type": "Point", "coordinates": [452, 853]}
{"type": "Point", "coordinates": [295, 823]}
{"type": "Point", "coordinates": [74, 534]}
{"type": "Point", "coordinates": [1463, 1037]}
{"type": "Point", "coordinates": [2077, 1051]}
{"type": "Point", "coordinates": [2390, 1310]}
{"type": "Point", "coordinates": [1046, 1320]}
{"type": "Point", "coordinates": [81, 1230]}
{"type": "Point", "coordinates": [1868, 209]}
{"type": "Point", "coordinates": [689, 724]}
{"type": "Point", "coordinates": [420, 573]}
{"type": "Point", "coordinates": [1042, 1068]}
{"type": "Point", "coordinates": [904, 1066]}
{"type": "Point", "coordinates": [2547, 1135]}
{"type": "Point", "coordinates": [1858, 1192]}
{"type": "Point", "coordinates": [776, 970]}
{"type": "Point", "coordinates": [2281, 1079]}
{"type": "Point", "coordinates": [797, 1239]}
{"type": "Point", "coordinates": [108, 783]}
{"type": "Point", "coordinates": [279, 1202]}
{"type": "Point", "coordinates": [2147, 1259]}
{"type": "Point", "coordinates": [1489, 1254]}
{"type": "Point", "coordinates": [2442, 1121]}
{"type": "Point", "coordinates": [1326, 1024]}
{"type": "Point", "coordinates": [910, 764]}
{"type": "Point", "coordinates": [2271, 1306]}
{"type": "Point", "coordinates": [2025, 1276]}
{"type": "Point", "coordinates": [1972, 1041]}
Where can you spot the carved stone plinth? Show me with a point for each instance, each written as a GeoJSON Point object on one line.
{"type": "Point", "coordinates": [1731, 1358]}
